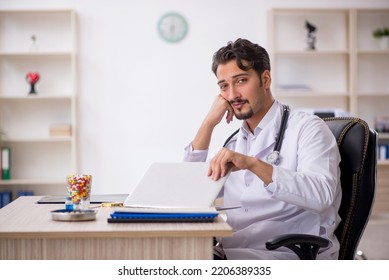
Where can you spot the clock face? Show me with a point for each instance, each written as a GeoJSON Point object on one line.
{"type": "Point", "coordinates": [172, 27]}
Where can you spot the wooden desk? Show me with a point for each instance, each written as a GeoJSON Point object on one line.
{"type": "Point", "coordinates": [28, 232]}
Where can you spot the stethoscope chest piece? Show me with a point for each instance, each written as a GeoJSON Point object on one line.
{"type": "Point", "coordinates": [273, 157]}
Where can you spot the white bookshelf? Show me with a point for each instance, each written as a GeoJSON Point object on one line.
{"type": "Point", "coordinates": [39, 161]}
{"type": "Point", "coordinates": [347, 70]}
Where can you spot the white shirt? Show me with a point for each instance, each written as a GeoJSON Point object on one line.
{"type": "Point", "coordinates": [304, 196]}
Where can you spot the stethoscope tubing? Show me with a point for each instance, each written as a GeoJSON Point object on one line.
{"type": "Point", "coordinates": [273, 157]}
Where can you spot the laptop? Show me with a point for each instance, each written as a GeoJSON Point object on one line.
{"type": "Point", "coordinates": [175, 185]}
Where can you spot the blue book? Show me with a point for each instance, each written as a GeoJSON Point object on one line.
{"type": "Point", "coordinates": [6, 198]}
{"type": "Point", "coordinates": [387, 152]}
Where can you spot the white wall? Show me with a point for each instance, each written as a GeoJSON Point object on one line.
{"type": "Point", "coordinates": [141, 99]}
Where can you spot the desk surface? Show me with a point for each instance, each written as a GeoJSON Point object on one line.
{"type": "Point", "coordinates": [24, 218]}
{"type": "Point", "coordinates": [28, 232]}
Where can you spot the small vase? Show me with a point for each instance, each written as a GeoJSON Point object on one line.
{"type": "Point", "coordinates": [384, 42]}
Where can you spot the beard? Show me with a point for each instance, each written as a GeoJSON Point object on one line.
{"type": "Point", "coordinates": [241, 114]}
{"type": "Point", "coordinates": [244, 115]}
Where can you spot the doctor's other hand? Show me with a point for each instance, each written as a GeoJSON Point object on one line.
{"type": "Point", "coordinates": [218, 109]}
{"type": "Point", "coordinates": [226, 160]}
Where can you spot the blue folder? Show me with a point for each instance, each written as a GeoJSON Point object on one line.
{"type": "Point", "coordinates": [138, 217]}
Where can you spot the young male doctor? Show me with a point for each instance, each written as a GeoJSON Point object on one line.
{"type": "Point", "coordinates": [295, 192]}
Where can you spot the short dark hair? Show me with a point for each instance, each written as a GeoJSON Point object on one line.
{"type": "Point", "coordinates": [243, 50]}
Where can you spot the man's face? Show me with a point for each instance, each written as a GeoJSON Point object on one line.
{"type": "Point", "coordinates": [243, 89]}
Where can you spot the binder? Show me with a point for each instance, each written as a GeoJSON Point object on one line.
{"type": "Point", "coordinates": [1, 163]}
{"type": "Point", "coordinates": [6, 198]}
{"type": "Point", "coordinates": [5, 163]}
{"type": "Point", "coordinates": [161, 216]}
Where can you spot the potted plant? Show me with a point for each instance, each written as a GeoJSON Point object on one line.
{"type": "Point", "coordinates": [382, 34]}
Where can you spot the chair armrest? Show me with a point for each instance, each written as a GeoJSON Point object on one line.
{"type": "Point", "coordinates": [305, 246]}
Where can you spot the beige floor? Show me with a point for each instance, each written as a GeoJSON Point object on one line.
{"type": "Point", "coordinates": [375, 240]}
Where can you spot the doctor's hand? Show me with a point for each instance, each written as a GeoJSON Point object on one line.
{"type": "Point", "coordinates": [227, 160]}
{"type": "Point", "coordinates": [219, 108]}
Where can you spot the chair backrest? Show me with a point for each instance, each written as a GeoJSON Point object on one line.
{"type": "Point", "coordinates": [358, 149]}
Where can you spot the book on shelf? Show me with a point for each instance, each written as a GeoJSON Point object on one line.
{"type": "Point", "coordinates": [5, 163]}
{"type": "Point", "coordinates": [5, 198]}
{"type": "Point", "coordinates": [383, 151]}
{"type": "Point", "coordinates": [60, 130]}
{"type": "Point", "coordinates": [1, 163]}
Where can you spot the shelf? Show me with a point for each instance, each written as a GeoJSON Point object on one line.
{"type": "Point", "coordinates": [35, 97]}
{"type": "Point", "coordinates": [29, 12]}
{"type": "Point", "coordinates": [54, 30]}
{"type": "Point", "coordinates": [383, 163]}
{"type": "Point", "coordinates": [310, 94]}
{"type": "Point", "coordinates": [373, 52]}
{"type": "Point", "coordinates": [40, 140]}
{"type": "Point", "coordinates": [383, 135]}
{"type": "Point", "coordinates": [35, 182]}
{"type": "Point", "coordinates": [311, 53]}
{"type": "Point", "coordinates": [24, 55]}
{"type": "Point", "coordinates": [56, 74]}
{"type": "Point", "coordinates": [373, 94]}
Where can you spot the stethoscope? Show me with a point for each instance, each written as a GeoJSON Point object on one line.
{"type": "Point", "coordinates": [274, 156]}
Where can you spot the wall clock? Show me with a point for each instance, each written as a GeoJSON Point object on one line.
{"type": "Point", "coordinates": [172, 27]}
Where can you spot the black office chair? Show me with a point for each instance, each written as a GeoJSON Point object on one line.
{"type": "Point", "coordinates": [358, 149]}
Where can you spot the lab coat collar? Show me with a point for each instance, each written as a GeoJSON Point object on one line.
{"type": "Point", "coordinates": [267, 129]}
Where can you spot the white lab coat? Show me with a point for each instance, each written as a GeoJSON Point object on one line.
{"type": "Point", "coordinates": [304, 196]}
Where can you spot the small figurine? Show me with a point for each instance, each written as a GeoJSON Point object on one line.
{"type": "Point", "coordinates": [311, 37]}
{"type": "Point", "coordinates": [32, 78]}
{"type": "Point", "coordinates": [34, 45]}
